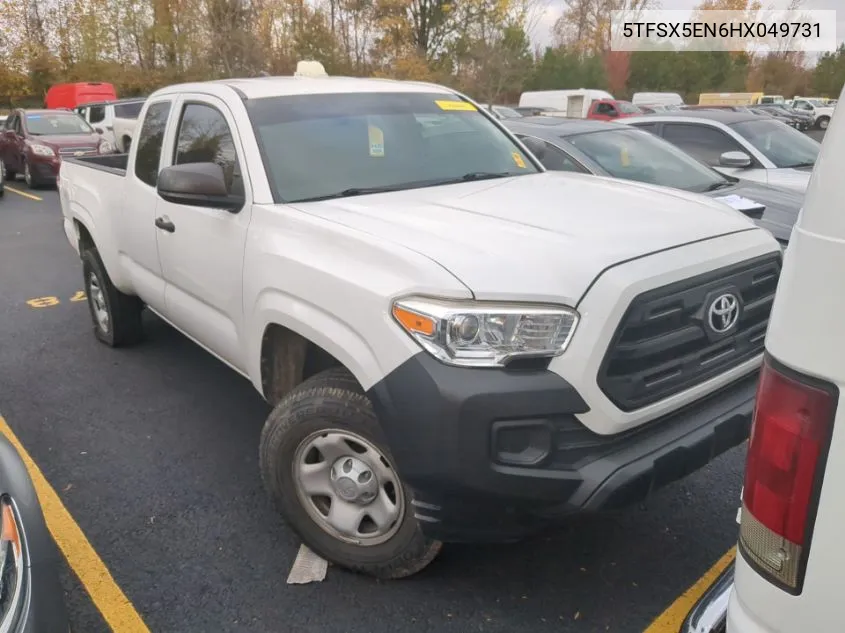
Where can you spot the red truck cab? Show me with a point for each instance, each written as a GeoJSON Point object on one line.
{"type": "Point", "coordinates": [607, 109]}
{"type": "Point", "coordinates": [71, 95]}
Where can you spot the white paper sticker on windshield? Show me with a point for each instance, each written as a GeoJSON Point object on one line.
{"type": "Point", "coordinates": [739, 203]}
{"type": "Point", "coordinates": [376, 141]}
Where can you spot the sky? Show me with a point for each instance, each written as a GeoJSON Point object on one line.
{"type": "Point", "coordinates": [542, 33]}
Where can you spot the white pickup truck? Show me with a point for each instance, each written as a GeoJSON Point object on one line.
{"type": "Point", "coordinates": [458, 345]}
{"type": "Point", "coordinates": [115, 121]}
{"type": "Point", "coordinates": [821, 112]}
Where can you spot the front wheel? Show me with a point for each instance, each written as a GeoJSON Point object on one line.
{"type": "Point", "coordinates": [326, 464]}
{"type": "Point", "coordinates": [823, 122]}
{"type": "Point", "coordinates": [29, 178]}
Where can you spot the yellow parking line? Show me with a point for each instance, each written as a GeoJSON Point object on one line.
{"type": "Point", "coordinates": [23, 193]}
{"type": "Point", "coordinates": [112, 603]}
{"type": "Point", "coordinates": [670, 621]}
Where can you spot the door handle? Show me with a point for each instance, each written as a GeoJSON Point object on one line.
{"type": "Point", "coordinates": [165, 224]}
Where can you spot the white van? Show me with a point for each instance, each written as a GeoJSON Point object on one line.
{"type": "Point", "coordinates": [657, 99]}
{"type": "Point", "coordinates": [791, 553]}
{"type": "Point", "coordinates": [574, 103]}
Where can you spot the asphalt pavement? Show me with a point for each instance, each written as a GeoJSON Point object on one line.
{"type": "Point", "coordinates": [154, 452]}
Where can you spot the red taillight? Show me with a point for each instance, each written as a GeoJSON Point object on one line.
{"type": "Point", "coordinates": [789, 438]}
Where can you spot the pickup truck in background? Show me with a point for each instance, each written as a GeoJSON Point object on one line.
{"type": "Point", "coordinates": [821, 112]}
{"type": "Point", "coordinates": [457, 344]}
{"type": "Point", "coordinates": [114, 120]}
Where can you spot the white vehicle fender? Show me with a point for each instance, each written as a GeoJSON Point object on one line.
{"type": "Point", "coordinates": [100, 230]}
{"type": "Point", "coordinates": [316, 325]}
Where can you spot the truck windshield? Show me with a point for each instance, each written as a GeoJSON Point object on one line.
{"type": "Point", "coordinates": [781, 144]}
{"type": "Point", "coordinates": [49, 124]}
{"type": "Point", "coordinates": [641, 156]}
{"type": "Point", "coordinates": [326, 145]}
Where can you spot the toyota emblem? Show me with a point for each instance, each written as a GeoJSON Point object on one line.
{"type": "Point", "coordinates": [723, 313]}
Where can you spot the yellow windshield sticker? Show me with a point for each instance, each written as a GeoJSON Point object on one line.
{"type": "Point", "coordinates": [456, 106]}
{"type": "Point", "coordinates": [376, 141]}
{"type": "Point", "coordinates": [623, 156]}
{"type": "Point", "coordinates": [518, 160]}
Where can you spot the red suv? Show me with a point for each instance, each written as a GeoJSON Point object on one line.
{"type": "Point", "coordinates": [33, 142]}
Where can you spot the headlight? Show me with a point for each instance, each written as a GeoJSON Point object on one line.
{"type": "Point", "coordinates": [42, 150]}
{"type": "Point", "coordinates": [105, 147]}
{"type": "Point", "coordinates": [11, 566]}
{"type": "Point", "coordinates": [480, 334]}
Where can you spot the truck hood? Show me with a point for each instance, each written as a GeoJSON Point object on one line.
{"type": "Point", "coordinates": [540, 237]}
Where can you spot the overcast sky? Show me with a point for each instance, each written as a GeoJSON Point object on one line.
{"type": "Point", "coordinates": [542, 33]}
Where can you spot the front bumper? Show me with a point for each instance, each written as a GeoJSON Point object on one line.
{"type": "Point", "coordinates": [709, 614]}
{"type": "Point", "coordinates": [44, 169]}
{"type": "Point", "coordinates": [494, 455]}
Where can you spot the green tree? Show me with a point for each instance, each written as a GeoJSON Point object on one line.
{"type": "Point", "coordinates": [829, 74]}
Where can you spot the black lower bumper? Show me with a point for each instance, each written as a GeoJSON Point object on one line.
{"type": "Point", "coordinates": [493, 454]}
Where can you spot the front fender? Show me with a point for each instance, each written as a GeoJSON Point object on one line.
{"type": "Point", "coordinates": [354, 349]}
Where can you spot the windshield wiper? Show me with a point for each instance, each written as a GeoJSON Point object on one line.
{"type": "Point", "coordinates": [363, 191]}
{"type": "Point", "coordinates": [805, 164]}
{"type": "Point", "coordinates": [485, 175]}
{"type": "Point", "coordinates": [719, 185]}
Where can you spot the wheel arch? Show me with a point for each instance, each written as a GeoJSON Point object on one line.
{"type": "Point", "coordinates": [287, 349]}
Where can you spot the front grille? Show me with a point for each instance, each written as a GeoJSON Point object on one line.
{"type": "Point", "coordinates": [71, 151]}
{"type": "Point", "coordinates": [663, 345]}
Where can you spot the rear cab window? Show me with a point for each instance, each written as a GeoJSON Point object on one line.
{"type": "Point", "coordinates": [150, 142]}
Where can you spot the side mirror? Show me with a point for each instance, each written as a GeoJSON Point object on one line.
{"type": "Point", "coordinates": [740, 160]}
{"type": "Point", "coordinates": [98, 130]}
{"type": "Point", "coordinates": [9, 133]}
{"type": "Point", "coordinates": [535, 146]}
{"type": "Point", "coordinates": [197, 185]}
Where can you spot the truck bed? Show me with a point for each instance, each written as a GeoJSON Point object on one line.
{"type": "Point", "coordinates": [112, 163]}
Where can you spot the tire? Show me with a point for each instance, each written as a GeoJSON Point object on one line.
{"type": "Point", "coordinates": [123, 324]}
{"type": "Point", "coordinates": [127, 143]}
{"type": "Point", "coordinates": [823, 122]}
{"type": "Point", "coordinates": [332, 401]}
{"type": "Point", "coordinates": [30, 179]}
{"type": "Point", "coordinates": [11, 174]}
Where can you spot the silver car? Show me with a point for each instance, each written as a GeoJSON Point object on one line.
{"type": "Point", "coordinates": [743, 145]}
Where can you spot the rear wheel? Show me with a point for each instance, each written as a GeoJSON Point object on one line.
{"type": "Point", "coordinates": [326, 464]}
{"type": "Point", "coordinates": [116, 316]}
{"type": "Point", "coordinates": [823, 122]}
{"type": "Point", "coordinates": [127, 143]}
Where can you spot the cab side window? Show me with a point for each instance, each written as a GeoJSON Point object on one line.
{"type": "Point", "coordinates": [555, 159]}
{"type": "Point", "coordinates": [606, 109]}
{"type": "Point", "coordinates": [703, 142]}
{"type": "Point", "coordinates": [96, 113]}
{"type": "Point", "coordinates": [150, 141]}
{"type": "Point", "coordinates": [205, 137]}
{"type": "Point", "coordinates": [10, 122]}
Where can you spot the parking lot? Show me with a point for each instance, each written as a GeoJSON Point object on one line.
{"type": "Point", "coordinates": [153, 451]}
